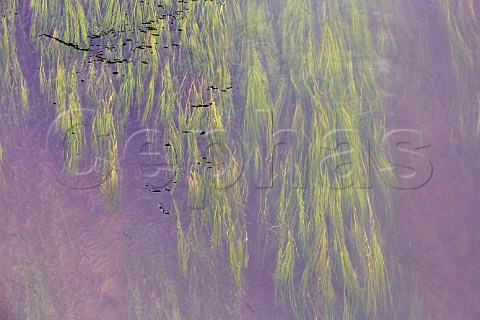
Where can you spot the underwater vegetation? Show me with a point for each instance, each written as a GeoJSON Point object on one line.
{"type": "Point", "coordinates": [38, 302]}
{"type": "Point", "coordinates": [14, 98]}
{"type": "Point", "coordinates": [218, 82]}
{"type": "Point", "coordinates": [462, 23]}
{"type": "Point", "coordinates": [2, 180]}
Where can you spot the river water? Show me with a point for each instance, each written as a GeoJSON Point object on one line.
{"type": "Point", "coordinates": [67, 254]}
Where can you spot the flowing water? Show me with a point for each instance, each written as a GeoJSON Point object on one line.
{"type": "Point", "coordinates": [239, 160]}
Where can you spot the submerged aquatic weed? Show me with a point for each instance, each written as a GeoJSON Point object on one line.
{"type": "Point", "coordinates": [38, 301]}
{"type": "Point", "coordinates": [106, 149]}
{"type": "Point", "coordinates": [2, 179]}
{"type": "Point", "coordinates": [325, 77]}
{"type": "Point", "coordinates": [12, 84]}
{"type": "Point", "coordinates": [69, 115]}
{"type": "Point", "coordinates": [462, 23]}
{"type": "Point", "coordinates": [313, 75]}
